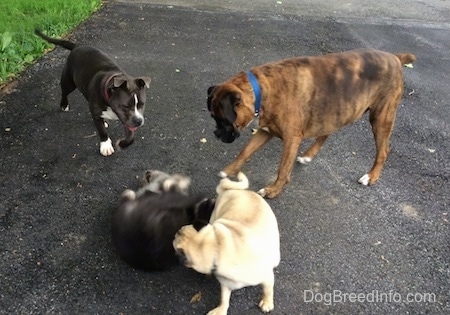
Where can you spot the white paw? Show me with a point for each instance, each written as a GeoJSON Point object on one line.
{"type": "Point", "coordinates": [266, 306]}
{"type": "Point", "coordinates": [364, 180]}
{"type": "Point", "coordinates": [262, 192]}
{"type": "Point", "coordinates": [128, 193]}
{"type": "Point", "coordinates": [66, 109]}
{"type": "Point", "coordinates": [106, 147]}
{"type": "Point", "coordinates": [223, 174]}
{"type": "Point", "coordinates": [304, 159]}
{"type": "Point", "coordinates": [218, 311]}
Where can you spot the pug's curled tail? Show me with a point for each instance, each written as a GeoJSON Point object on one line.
{"type": "Point", "coordinates": [63, 43]}
{"type": "Point", "coordinates": [227, 184]}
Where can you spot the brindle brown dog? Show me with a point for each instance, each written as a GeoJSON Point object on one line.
{"type": "Point", "coordinates": [309, 97]}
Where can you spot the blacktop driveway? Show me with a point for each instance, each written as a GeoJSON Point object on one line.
{"type": "Point", "coordinates": [388, 243]}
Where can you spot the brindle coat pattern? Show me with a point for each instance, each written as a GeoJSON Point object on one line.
{"type": "Point", "coordinates": [311, 97]}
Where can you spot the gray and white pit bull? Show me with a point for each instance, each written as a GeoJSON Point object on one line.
{"type": "Point", "coordinates": [111, 93]}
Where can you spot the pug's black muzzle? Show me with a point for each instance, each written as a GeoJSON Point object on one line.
{"type": "Point", "coordinates": [181, 257]}
{"type": "Point", "coordinates": [226, 133]}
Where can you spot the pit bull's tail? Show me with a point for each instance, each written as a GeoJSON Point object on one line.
{"type": "Point", "coordinates": [227, 184]}
{"type": "Point", "coordinates": [63, 43]}
{"type": "Point", "coordinates": [406, 58]}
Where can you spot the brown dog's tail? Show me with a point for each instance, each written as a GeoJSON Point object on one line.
{"type": "Point", "coordinates": [406, 58]}
{"type": "Point", "coordinates": [227, 184]}
{"type": "Point", "coordinates": [63, 43]}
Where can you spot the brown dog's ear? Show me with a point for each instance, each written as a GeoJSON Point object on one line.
{"type": "Point", "coordinates": [229, 102]}
{"type": "Point", "coordinates": [143, 82]}
{"type": "Point", "coordinates": [208, 102]}
{"type": "Point", "coordinates": [210, 89]}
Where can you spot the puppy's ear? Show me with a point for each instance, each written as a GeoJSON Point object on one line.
{"type": "Point", "coordinates": [148, 175]}
{"type": "Point", "coordinates": [119, 81]}
{"type": "Point", "coordinates": [143, 82]}
{"type": "Point", "coordinates": [229, 102]}
{"type": "Point", "coordinates": [210, 89]}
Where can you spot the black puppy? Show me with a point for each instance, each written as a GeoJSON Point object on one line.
{"type": "Point", "coordinates": [111, 93]}
{"type": "Point", "coordinates": [146, 221]}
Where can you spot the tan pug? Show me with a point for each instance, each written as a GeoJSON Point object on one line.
{"type": "Point", "coordinates": [240, 245]}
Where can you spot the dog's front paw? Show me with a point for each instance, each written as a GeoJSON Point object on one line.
{"type": "Point", "coordinates": [365, 180]}
{"type": "Point", "coordinates": [269, 192]}
{"type": "Point", "coordinates": [304, 159]}
{"type": "Point", "coordinates": [262, 192]}
{"type": "Point", "coordinates": [106, 148]}
{"type": "Point", "coordinates": [218, 311]}
{"type": "Point", "coordinates": [128, 194]}
{"type": "Point", "coordinates": [266, 305]}
{"type": "Point", "coordinates": [222, 174]}
{"type": "Point", "coordinates": [125, 143]}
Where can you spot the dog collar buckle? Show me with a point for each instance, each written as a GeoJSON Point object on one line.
{"type": "Point", "coordinates": [256, 90]}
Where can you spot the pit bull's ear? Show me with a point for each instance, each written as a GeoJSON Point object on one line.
{"type": "Point", "coordinates": [210, 89]}
{"type": "Point", "coordinates": [143, 82]}
{"type": "Point", "coordinates": [119, 81]}
{"type": "Point", "coordinates": [229, 102]}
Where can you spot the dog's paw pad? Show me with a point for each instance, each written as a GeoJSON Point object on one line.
{"type": "Point", "coordinates": [266, 306]}
{"type": "Point", "coordinates": [364, 180]}
{"type": "Point", "coordinates": [106, 148]}
{"type": "Point", "coordinates": [222, 174]}
{"type": "Point", "coordinates": [262, 192]}
{"type": "Point", "coordinates": [304, 159]}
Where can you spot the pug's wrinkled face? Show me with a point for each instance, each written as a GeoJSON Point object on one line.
{"type": "Point", "coordinates": [195, 249]}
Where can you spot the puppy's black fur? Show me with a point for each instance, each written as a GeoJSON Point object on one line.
{"type": "Point", "coordinates": [143, 229]}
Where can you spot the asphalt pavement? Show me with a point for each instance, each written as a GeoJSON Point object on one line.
{"type": "Point", "coordinates": [345, 248]}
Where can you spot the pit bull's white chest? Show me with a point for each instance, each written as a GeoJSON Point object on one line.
{"type": "Point", "coordinates": [109, 114]}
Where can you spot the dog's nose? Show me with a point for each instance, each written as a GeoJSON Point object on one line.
{"type": "Point", "coordinates": [138, 121]}
{"type": "Point", "coordinates": [181, 256]}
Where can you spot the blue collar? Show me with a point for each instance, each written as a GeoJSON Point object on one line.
{"type": "Point", "coordinates": [256, 90]}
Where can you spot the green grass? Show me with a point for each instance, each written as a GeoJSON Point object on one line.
{"type": "Point", "coordinates": [18, 19]}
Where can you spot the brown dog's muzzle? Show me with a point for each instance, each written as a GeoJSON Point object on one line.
{"type": "Point", "coordinates": [223, 112]}
{"type": "Point", "coordinates": [227, 133]}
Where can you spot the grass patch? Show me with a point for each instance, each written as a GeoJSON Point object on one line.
{"type": "Point", "coordinates": [18, 19]}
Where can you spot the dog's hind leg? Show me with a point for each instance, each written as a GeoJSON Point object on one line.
{"type": "Point", "coordinates": [312, 151]}
{"type": "Point", "coordinates": [382, 124]}
{"type": "Point", "coordinates": [266, 304]}
{"type": "Point", "coordinates": [222, 309]}
{"type": "Point", "coordinates": [67, 87]}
